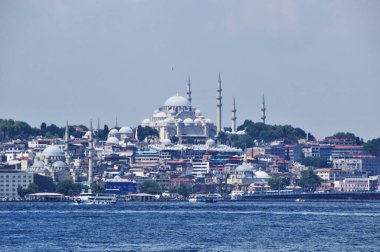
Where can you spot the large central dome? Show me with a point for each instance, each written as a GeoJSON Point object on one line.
{"type": "Point", "coordinates": [177, 101]}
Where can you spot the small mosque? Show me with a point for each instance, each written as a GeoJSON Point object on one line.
{"type": "Point", "coordinates": [178, 118]}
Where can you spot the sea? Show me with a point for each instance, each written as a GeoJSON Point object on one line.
{"type": "Point", "coordinates": [184, 226]}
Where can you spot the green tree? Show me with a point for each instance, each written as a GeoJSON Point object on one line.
{"type": "Point", "coordinates": [68, 187]}
{"type": "Point", "coordinates": [278, 183]}
{"type": "Point", "coordinates": [43, 183]}
{"type": "Point", "coordinates": [150, 186]}
{"type": "Point", "coordinates": [373, 147]}
{"type": "Point", "coordinates": [97, 188]}
{"type": "Point", "coordinates": [146, 132]}
{"type": "Point", "coordinates": [309, 180]}
{"type": "Point", "coordinates": [183, 190]}
{"type": "Point", "coordinates": [174, 139]}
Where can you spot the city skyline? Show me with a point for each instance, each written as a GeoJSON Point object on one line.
{"type": "Point", "coordinates": [316, 63]}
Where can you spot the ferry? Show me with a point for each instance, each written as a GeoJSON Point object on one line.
{"type": "Point", "coordinates": [197, 198]}
{"type": "Point", "coordinates": [95, 198]}
{"type": "Point", "coordinates": [213, 198]}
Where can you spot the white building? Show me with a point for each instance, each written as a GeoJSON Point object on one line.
{"type": "Point", "coordinates": [11, 180]}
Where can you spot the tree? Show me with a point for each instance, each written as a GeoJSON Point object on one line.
{"type": "Point", "coordinates": [43, 183]}
{"type": "Point", "coordinates": [278, 183]}
{"type": "Point", "coordinates": [183, 190]}
{"type": "Point", "coordinates": [32, 188]}
{"type": "Point", "coordinates": [174, 139]}
{"type": "Point", "coordinates": [309, 180]}
{"type": "Point", "coordinates": [150, 186]}
{"type": "Point", "coordinates": [146, 132]}
{"type": "Point", "coordinates": [43, 128]}
{"type": "Point", "coordinates": [373, 147]}
{"type": "Point", "coordinates": [68, 187]}
{"type": "Point", "coordinates": [97, 188]}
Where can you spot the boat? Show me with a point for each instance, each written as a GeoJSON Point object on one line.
{"type": "Point", "coordinates": [213, 198]}
{"type": "Point", "coordinates": [237, 195]}
{"type": "Point", "coordinates": [197, 198]}
{"type": "Point", "coordinates": [95, 198]}
{"type": "Point", "coordinates": [300, 200]}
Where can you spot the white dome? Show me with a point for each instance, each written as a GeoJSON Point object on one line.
{"type": "Point", "coordinates": [177, 101]}
{"type": "Point", "coordinates": [38, 164]}
{"type": "Point", "coordinates": [160, 115]}
{"type": "Point", "coordinates": [60, 164]}
{"type": "Point", "coordinates": [188, 121]}
{"type": "Point", "coordinates": [197, 121]}
{"type": "Point", "coordinates": [113, 132]}
{"type": "Point", "coordinates": [179, 120]}
{"type": "Point", "coordinates": [262, 175]}
{"type": "Point", "coordinates": [126, 130]}
{"type": "Point", "coordinates": [52, 151]}
{"type": "Point", "coordinates": [244, 168]}
{"type": "Point", "coordinates": [210, 143]}
{"type": "Point", "coordinates": [198, 112]}
{"type": "Point", "coordinates": [112, 140]}
{"type": "Point", "coordinates": [145, 122]}
{"type": "Point", "coordinates": [169, 120]}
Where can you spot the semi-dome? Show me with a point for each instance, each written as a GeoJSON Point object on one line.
{"type": "Point", "coordinates": [198, 112]}
{"type": "Point", "coordinates": [169, 120]}
{"type": "Point", "coordinates": [244, 168]}
{"type": "Point", "coordinates": [126, 130]}
{"type": "Point", "coordinates": [60, 164]}
{"type": "Point", "coordinates": [262, 175]}
{"type": "Point", "coordinates": [113, 132]}
{"type": "Point", "coordinates": [112, 140]}
{"type": "Point", "coordinates": [188, 121]}
{"type": "Point", "coordinates": [38, 164]}
{"type": "Point", "coordinates": [145, 122]}
{"type": "Point", "coordinates": [52, 151]}
{"type": "Point", "coordinates": [177, 101]}
{"type": "Point", "coordinates": [197, 121]}
{"type": "Point", "coordinates": [160, 115]}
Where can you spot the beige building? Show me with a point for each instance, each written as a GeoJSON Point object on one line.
{"type": "Point", "coordinates": [11, 180]}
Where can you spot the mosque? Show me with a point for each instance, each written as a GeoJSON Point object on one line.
{"type": "Point", "coordinates": [178, 118]}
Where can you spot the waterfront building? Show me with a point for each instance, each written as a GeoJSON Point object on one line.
{"type": "Point", "coordinates": [358, 184]}
{"type": "Point", "coordinates": [120, 186]}
{"type": "Point", "coordinates": [10, 180]}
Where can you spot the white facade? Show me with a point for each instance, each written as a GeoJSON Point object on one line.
{"type": "Point", "coordinates": [11, 180]}
{"type": "Point", "coordinates": [200, 168]}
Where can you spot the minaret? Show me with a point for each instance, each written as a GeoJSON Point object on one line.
{"type": "Point", "coordinates": [219, 106]}
{"type": "Point", "coordinates": [90, 154]}
{"type": "Point", "coordinates": [263, 116]}
{"type": "Point", "coordinates": [233, 116]}
{"type": "Point", "coordinates": [98, 126]}
{"type": "Point", "coordinates": [66, 149]}
{"type": "Point", "coordinates": [188, 90]}
{"type": "Point", "coordinates": [116, 123]}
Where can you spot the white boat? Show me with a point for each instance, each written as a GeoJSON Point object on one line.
{"type": "Point", "coordinates": [95, 198]}
{"type": "Point", "coordinates": [237, 195]}
{"type": "Point", "coordinates": [214, 197]}
{"type": "Point", "coordinates": [197, 198]}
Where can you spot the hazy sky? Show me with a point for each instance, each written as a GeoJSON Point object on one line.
{"type": "Point", "coordinates": [318, 62]}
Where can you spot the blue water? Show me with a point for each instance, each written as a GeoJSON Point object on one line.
{"type": "Point", "coordinates": [183, 226]}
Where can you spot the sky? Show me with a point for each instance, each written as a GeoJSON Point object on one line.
{"type": "Point", "coordinates": [317, 62]}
